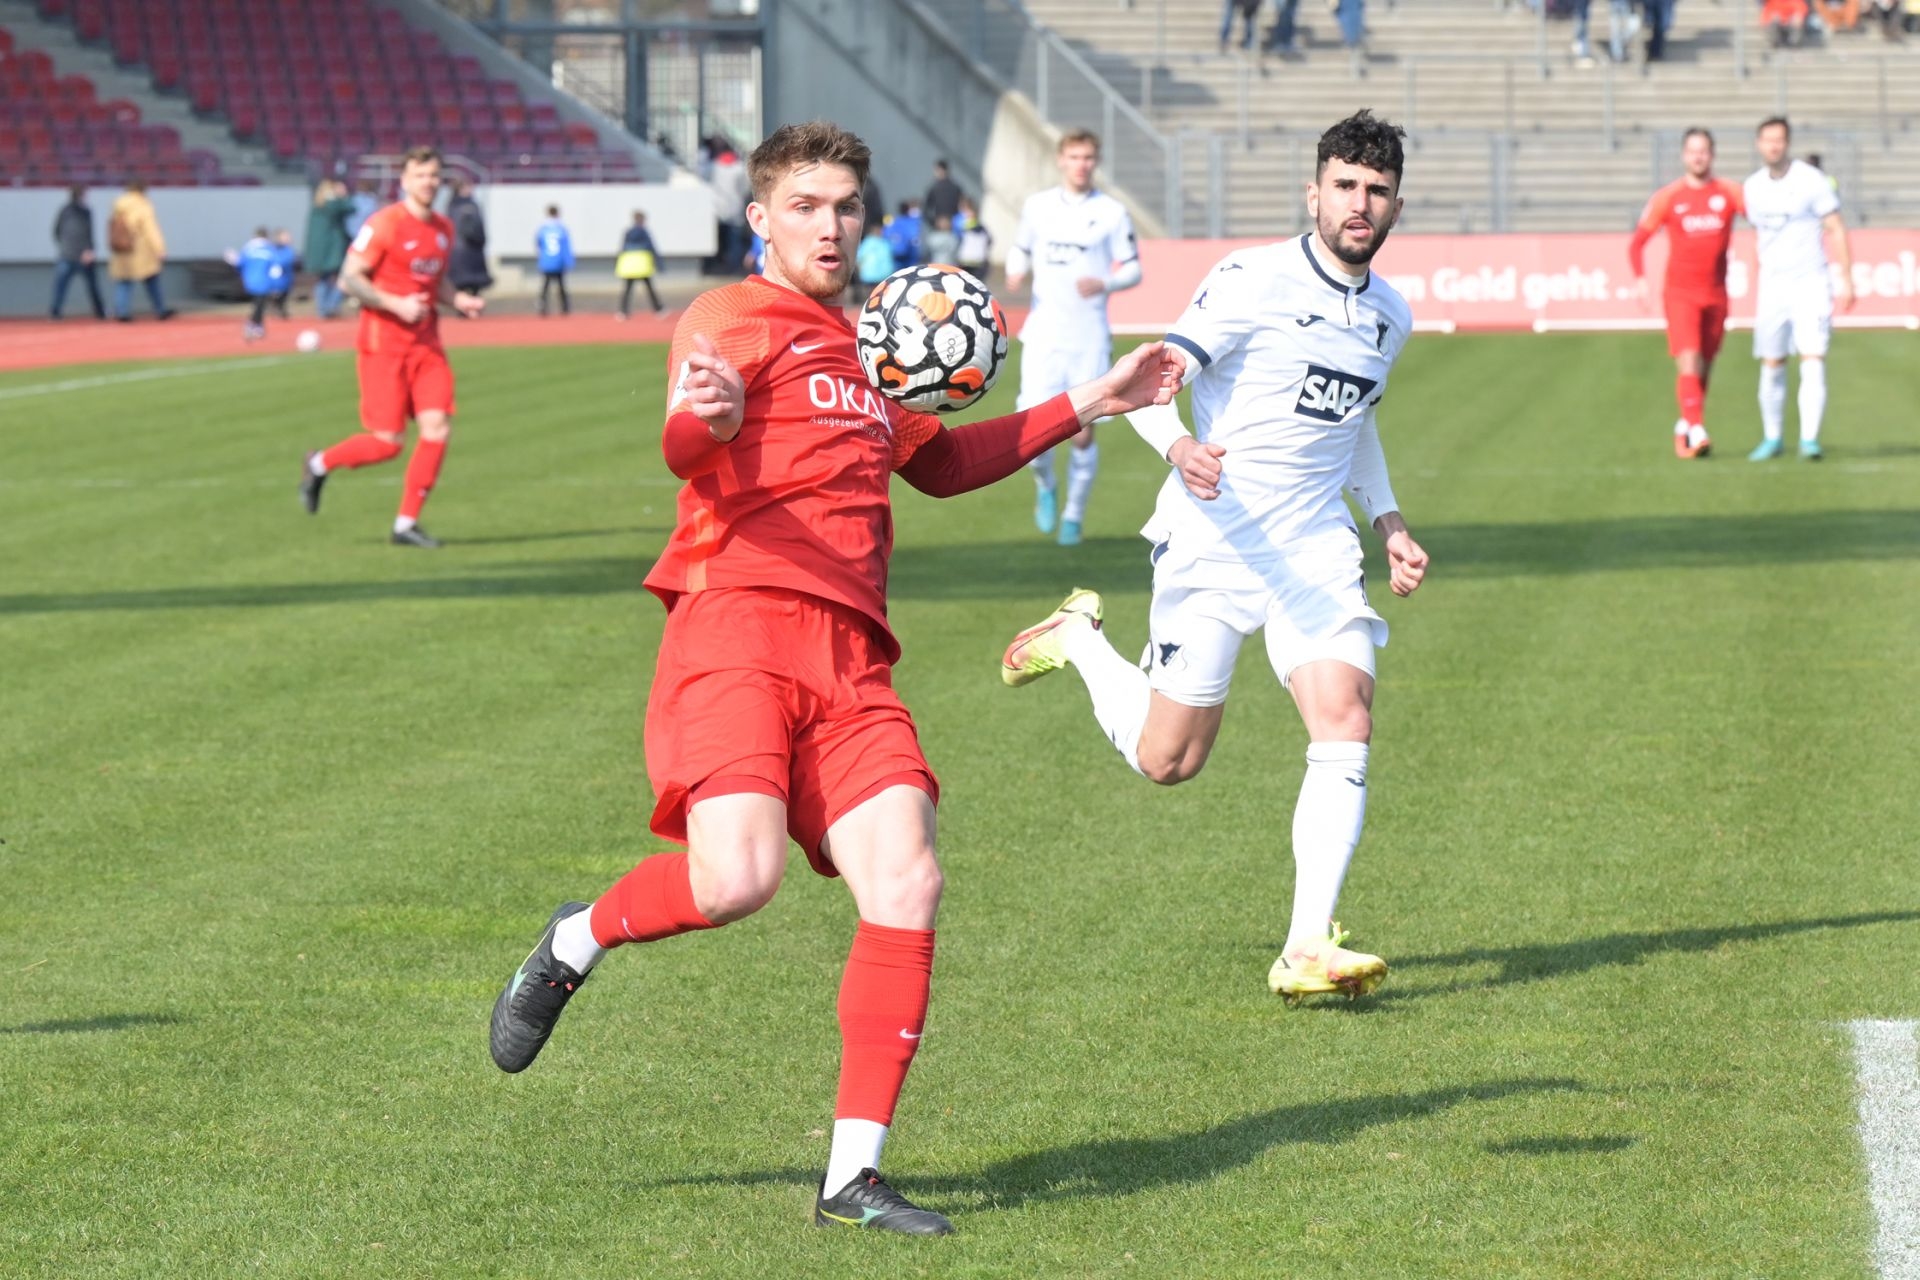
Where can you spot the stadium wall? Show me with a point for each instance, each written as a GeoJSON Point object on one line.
{"type": "Point", "coordinates": [1538, 282]}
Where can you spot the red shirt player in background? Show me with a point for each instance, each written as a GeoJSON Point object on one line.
{"type": "Point", "coordinates": [397, 268]}
{"type": "Point", "coordinates": [1697, 213]}
{"type": "Point", "coordinates": [772, 711]}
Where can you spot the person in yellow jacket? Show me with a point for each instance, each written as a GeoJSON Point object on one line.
{"type": "Point", "coordinates": [136, 251]}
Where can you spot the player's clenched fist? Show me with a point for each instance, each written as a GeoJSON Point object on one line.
{"type": "Point", "coordinates": [1406, 562]}
{"type": "Point", "coordinates": [713, 390]}
{"type": "Point", "coordinates": [1198, 465]}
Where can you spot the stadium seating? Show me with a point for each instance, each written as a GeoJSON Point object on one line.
{"type": "Point", "coordinates": [328, 82]}
{"type": "Point", "coordinates": [54, 130]}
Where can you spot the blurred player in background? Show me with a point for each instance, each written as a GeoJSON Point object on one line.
{"type": "Point", "coordinates": [1796, 211]}
{"type": "Point", "coordinates": [1696, 211]}
{"type": "Point", "coordinates": [772, 711]}
{"type": "Point", "coordinates": [397, 268]}
{"type": "Point", "coordinates": [1077, 243]}
{"type": "Point", "coordinates": [1288, 347]}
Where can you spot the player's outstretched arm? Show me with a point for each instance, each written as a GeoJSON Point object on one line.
{"type": "Point", "coordinates": [951, 462]}
{"type": "Point", "coordinates": [1160, 426]}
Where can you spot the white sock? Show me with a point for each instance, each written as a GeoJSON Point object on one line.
{"type": "Point", "coordinates": [856, 1146]}
{"type": "Point", "coordinates": [402, 523]}
{"type": "Point", "coordinates": [1043, 472]}
{"type": "Point", "coordinates": [1121, 693]}
{"type": "Point", "coordinates": [315, 465]}
{"type": "Point", "coordinates": [1326, 827]}
{"type": "Point", "coordinates": [1813, 397]}
{"type": "Point", "coordinates": [1773, 399]}
{"type": "Point", "coordinates": [1082, 466]}
{"type": "Point", "coordinates": [573, 943]}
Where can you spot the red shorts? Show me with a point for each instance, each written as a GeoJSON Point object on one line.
{"type": "Point", "coordinates": [398, 385]}
{"type": "Point", "coordinates": [776, 692]}
{"type": "Point", "coordinates": [1696, 322]}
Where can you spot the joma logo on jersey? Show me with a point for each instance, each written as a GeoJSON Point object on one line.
{"type": "Point", "coordinates": [1330, 395]}
{"type": "Point", "coordinates": [845, 396]}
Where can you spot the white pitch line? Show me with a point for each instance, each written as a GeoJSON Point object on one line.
{"type": "Point", "coordinates": [188, 370]}
{"type": "Point", "coordinates": [1888, 1054]}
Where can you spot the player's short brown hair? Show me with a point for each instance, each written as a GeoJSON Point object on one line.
{"type": "Point", "coordinates": [1698, 132]}
{"type": "Point", "coordinates": [794, 146]}
{"type": "Point", "coordinates": [1770, 122]}
{"type": "Point", "coordinates": [420, 155]}
{"type": "Point", "coordinates": [1078, 137]}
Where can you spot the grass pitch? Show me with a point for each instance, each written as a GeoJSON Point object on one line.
{"type": "Point", "coordinates": [283, 806]}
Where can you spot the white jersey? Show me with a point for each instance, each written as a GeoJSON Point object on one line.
{"type": "Point", "coordinates": [1786, 212]}
{"type": "Point", "coordinates": [1069, 238]}
{"type": "Point", "coordinates": [1293, 362]}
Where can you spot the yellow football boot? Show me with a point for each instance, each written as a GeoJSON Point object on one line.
{"type": "Point", "coordinates": [1322, 968]}
{"type": "Point", "coordinates": [1037, 650]}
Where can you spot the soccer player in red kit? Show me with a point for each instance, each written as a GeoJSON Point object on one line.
{"type": "Point", "coordinates": [397, 268]}
{"type": "Point", "coordinates": [772, 711]}
{"type": "Point", "coordinates": [1696, 211]}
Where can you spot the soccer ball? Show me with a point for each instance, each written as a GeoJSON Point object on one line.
{"type": "Point", "coordinates": [309, 340]}
{"type": "Point", "coordinates": [932, 337]}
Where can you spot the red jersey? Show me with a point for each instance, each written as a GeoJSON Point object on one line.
{"type": "Point", "coordinates": [799, 499]}
{"type": "Point", "coordinates": [404, 255]}
{"type": "Point", "coordinates": [1699, 226]}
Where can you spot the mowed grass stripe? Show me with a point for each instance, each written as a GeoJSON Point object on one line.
{"type": "Point", "coordinates": [283, 806]}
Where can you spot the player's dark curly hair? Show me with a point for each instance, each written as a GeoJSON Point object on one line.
{"type": "Point", "coordinates": [1365, 140]}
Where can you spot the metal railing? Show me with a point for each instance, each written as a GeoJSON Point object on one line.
{"type": "Point", "coordinates": [1003, 37]}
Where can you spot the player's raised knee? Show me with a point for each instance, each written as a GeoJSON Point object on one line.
{"type": "Point", "coordinates": [908, 888]}
{"type": "Point", "coordinates": [737, 888]}
{"type": "Point", "coordinates": [1172, 768]}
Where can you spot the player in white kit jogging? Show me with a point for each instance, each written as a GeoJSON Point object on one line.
{"type": "Point", "coordinates": [1288, 350]}
{"type": "Point", "coordinates": [1077, 243]}
{"type": "Point", "coordinates": [1793, 209]}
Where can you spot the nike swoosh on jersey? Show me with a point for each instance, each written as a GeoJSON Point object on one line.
{"type": "Point", "coordinates": [801, 351]}
{"type": "Point", "coordinates": [910, 1035]}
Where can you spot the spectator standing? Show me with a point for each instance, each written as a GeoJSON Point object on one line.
{"type": "Point", "coordinates": [260, 267]}
{"type": "Point", "coordinates": [1784, 20]}
{"type": "Point", "coordinates": [467, 265]}
{"type": "Point", "coordinates": [942, 245]}
{"type": "Point", "coordinates": [327, 244]}
{"type": "Point", "coordinates": [903, 235]}
{"type": "Point", "coordinates": [287, 262]}
{"type": "Point", "coordinates": [1285, 29]}
{"type": "Point", "coordinates": [730, 196]}
{"type": "Point", "coordinates": [73, 239]}
{"type": "Point", "coordinates": [637, 263]}
{"type": "Point", "coordinates": [976, 246]}
{"type": "Point", "coordinates": [556, 258]}
{"type": "Point", "coordinates": [136, 252]}
{"type": "Point", "coordinates": [1248, 11]}
{"type": "Point", "coordinates": [943, 197]}
{"type": "Point", "coordinates": [365, 200]}
{"type": "Point", "coordinates": [1352, 17]}
{"type": "Point", "coordinates": [1659, 19]}
{"type": "Point", "coordinates": [872, 261]}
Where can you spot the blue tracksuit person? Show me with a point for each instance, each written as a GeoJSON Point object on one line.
{"type": "Point", "coordinates": [555, 248]}
{"type": "Point", "coordinates": [264, 272]}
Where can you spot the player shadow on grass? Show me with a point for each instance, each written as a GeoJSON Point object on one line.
{"type": "Point", "coordinates": [1030, 566]}
{"type": "Point", "coordinates": [1123, 1166]}
{"type": "Point", "coordinates": [556, 535]}
{"type": "Point", "coordinates": [1553, 548]}
{"type": "Point", "coordinates": [1540, 961]}
{"type": "Point", "coordinates": [100, 1022]}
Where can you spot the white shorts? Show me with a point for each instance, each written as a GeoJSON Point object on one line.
{"type": "Point", "coordinates": [1793, 321]}
{"type": "Point", "coordinates": [1046, 372]}
{"type": "Point", "coordinates": [1312, 603]}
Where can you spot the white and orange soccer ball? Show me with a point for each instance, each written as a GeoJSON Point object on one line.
{"type": "Point", "coordinates": [309, 340]}
{"type": "Point", "coordinates": [932, 338]}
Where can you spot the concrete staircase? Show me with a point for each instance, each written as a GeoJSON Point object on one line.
{"type": "Point", "coordinates": [111, 80]}
{"type": "Point", "coordinates": [1506, 132]}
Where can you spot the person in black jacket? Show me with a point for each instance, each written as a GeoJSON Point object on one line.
{"type": "Point", "coordinates": [73, 238]}
{"type": "Point", "coordinates": [467, 267]}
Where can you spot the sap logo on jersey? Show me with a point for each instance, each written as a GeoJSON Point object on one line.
{"type": "Point", "coordinates": [1330, 395]}
{"type": "Point", "coordinates": [844, 396]}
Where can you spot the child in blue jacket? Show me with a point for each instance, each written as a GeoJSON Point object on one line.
{"type": "Point", "coordinates": [264, 272]}
{"type": "Point", "coordinates": [555, 247]}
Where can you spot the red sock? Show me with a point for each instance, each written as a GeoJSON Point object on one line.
{"type": "Point", "coordinates": [651, 902]}
{"type": "Point", "coordinates": [423, 468]}
{"type": "Point", "coordinates": [1692, 395]}
{"type": "Point", "coordinates": [362, 450]}
{"type": "Point", "coordinates": [883, 1008]}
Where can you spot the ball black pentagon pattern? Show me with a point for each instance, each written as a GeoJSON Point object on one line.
{"type": "Point", "coordinates": [932, 338]}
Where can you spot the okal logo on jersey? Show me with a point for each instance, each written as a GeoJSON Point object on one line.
{"type": "Point", "coordinates": [851, 399]}
{"type": "Point", "coordinates": [1330, 395]}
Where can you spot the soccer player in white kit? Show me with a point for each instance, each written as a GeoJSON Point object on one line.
{"type": "Point", "coordinates": [1077, 243]}
{"type": "Point", "coordinates": [1794, 209]}
{"type": "Point", "coordinates": [1288, 349]}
